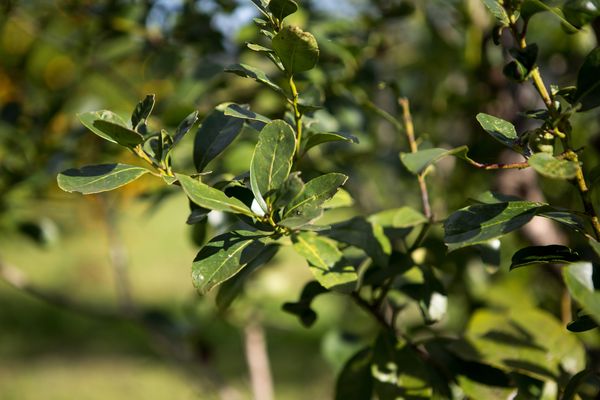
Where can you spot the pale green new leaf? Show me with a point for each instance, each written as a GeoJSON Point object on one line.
{"type": "Point", "coordinates": [404, 217]}
{"type": "Point", "coordinates": [211, 198]}
{"type": "Point", "coordinates": [98, 178]}
{"type": "Point", "coordinates": [551, 167]}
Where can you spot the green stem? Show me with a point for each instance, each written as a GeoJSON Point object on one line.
{"type": "Point", "coordinates": [297, 114]}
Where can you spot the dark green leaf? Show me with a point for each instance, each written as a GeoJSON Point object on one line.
{"type": "Point", "coordinates": [302, 308]}
{"type": "Point", "coordinates": [291, 188]}
{"type": "Point", "coordinates": [583, 323]}
{"type": "Point", "coordinates": [247, 71]}
{"type": "Point", "coordinates": [574, 383]}
{"type": "Point", "coordinates": [355, 381]}
{"type": "Point", "coordinates": [224, 256]}
{"type": "Point", "coordinates": [98, 178]}
{"type": "Point", "coordinates": [318, 138]}
{"type": "Point", "coordinates": [297, 50]}
{"type": "Point", "coordinates": [118, 133]}
{"type": "Point", "coordinates": [326, 261]}
{"type": "Point", "coordinates": [142, 111]}
{"type": "Point", "coordinates": [551, 167]}
{"type": "Point", "coordinates": [553, 254]}
{"type": "Point", "coordinates": [532, 7]}
{"type": "Point", "coordinates": [588, 82]}
{"type": "Point", "coordinates": [282, 8]}
{"type": "Point", "coordinates": [244, 112]}
{"type": "Point", "coordinates": [211, 198]}
{"type": "Point", "coordinates": [185, 126]}
{"type": "Point", "coordinates": [515, 71]}
{"type": "Point", "coordinates": [214, 135]}
{"type": "Point", "coordinates": [497, 11]}
{"type": "Point", "coordinates": [579, 279]}
{"type": "Point", "coordinates": [418, 162]}
{"type": "Point", "coordinates": [231, 288]}
{"type": "Point", "coordinates": [124, 136]}
{"type": "Point", "coordinates": [581, 12]}
{"type": "Point", "coordinates": [501, 130]}
{"type": "Point", "coordinates": [404, 217]}
{"type": "Point", "coordinates": [272, 160]}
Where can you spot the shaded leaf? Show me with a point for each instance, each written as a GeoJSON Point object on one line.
{"type": "Point", "coordinates": [185, 126]}
{"type": "Point", "coordinates": [579, 280]}
{"type": "Point", "coordinates": [575, 382]}
{"type": "Point", "coordinates": [142, 111]}
{"type": "Point", "coordinates": [272, 160]}
{"type": "Point", "coordinates": [340, 199]}
{"type": "Point", "coordinates": [581, 12]}
{"type": "Point", "coordinates": [111, 127]}
{"type": "Point", "coordinates": [532, 7]}
{"type": "Point", "coordinates": [497, 11]}
{"type": "Point", "coordinates": [291, 188]}
{"type": "Point", "coordinates": [244, 112]}
{"type": "Point", "coordinates": [549, 166]}
{"type": "Point", "coordinates": [282, 8]}
{"type": "Point", "coordinates": [583, 323]}
{"type": "Point", "coordinates": [247, 71]}
{"type": "Point", "coordinates": [355, 381]}
{"type": "Point", "coordinates": [318, 138]}
{"type": "Point", "coordinates": [297, 50]}
{"type": "Point", "coordinates": [404, 217]}
{"type": "Point", "coordinates": [326, 261]}
{"type": "Point", "coordinates": [98, 178]}
{"type": "Point", "coordinates": [302, 308]}
{"type": "Point", "coordinates": [588, 82]}
{"type": "Point", "coordinates": [211, 198]}
{"type": "Point", "coordinates": [224, 256]}
{"type": "Point", "coordinates": [214, 135]}
{"type": "Point", "coordinates": [553, 254]}
{"type": "Point", "coordinates": [501, 130]}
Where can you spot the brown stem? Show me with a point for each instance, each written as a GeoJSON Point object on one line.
{"type": "Point", "coordinates": [519, 165]}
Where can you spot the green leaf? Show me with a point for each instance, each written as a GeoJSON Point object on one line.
{"type": "Point", "coordinates": [581, 12]}
{"type": "Point", "coordinates": [232, 288]}
{"type": "Point", "coordinates": [532, 7]}
{"type": "Point", "coordinates": [318, 138]}
{"type": "Point", "coordinates": [404, 217]}
{"type": "Point", "coordinates": [282, 8]}
{"type": "Point", "coordinates": [308, 204]}
{"type": "Point", "coordinates": [365, 235]}
{"type": "Point", "coordinates": [244, 112]}
{"type": "Point", "coordinates": [142, 111]}
{"type": "Point", "coordinates": [224, 256]}
{"type": "Point", "coordinates": [340, 199]}
{"type": "Point", "coordinates": [551, 167]}
{"type": "Point", "coordinates": [297, 50]}
{"type": "Point", "coordinates": [418, 162]}
{"type": "Point", "coordinates": [481, 222]}
{"type": "Point", "coordinates": [527, 341]}
{"type": "Point", "coordinates": [326, 261]}
{"type": "Point", "coordinates": [588, 82]}
{"type": "Point", "coordinates": [247, 71]}
{"type": "Point", "coordinates": [214, 135]}
{"type": "Point", "coordinates": [302, 308]}
{"type": "Point", "coordinates": [291, 188]}
{"type": "Point", "coordinates": [501, 130]}
{"type": "Point", "coordinates": [185, 126]}
{"type": "Point", "coordinates": [553, 254]}
{"type": "Point", "coordinates": [579, 280]}
{"type": "Point", "coordinates": [211, 198]}
{"type": "Point", "coordinates": [258, 48]}
{"type": "Point", "coordinates": [574, 383]}
{"type": "Point", "coordinates": [583, 323]}
{"type": "Point", "coordinates": [355, 381]}
{"type": "Point", "coordinates": [272, 160]}
{"type": "Point", "coordinates": [111, 127]}
{"type": "Point", "coordinates": [98, 178]}
{"type": "Point", "coordinates": [497, 11]}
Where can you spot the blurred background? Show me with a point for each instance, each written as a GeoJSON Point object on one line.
{"type": "Point", "coordinates": [96, 299]}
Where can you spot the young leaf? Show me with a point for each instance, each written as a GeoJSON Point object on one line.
{"type": "Point", "coordinates": [224, 256]}
{"type": "Point", "coordinates": [418, 162]}
{"type": "Point", "coordinates": [553, 254]}
{"type": "Point", "coordinates": [297, 50]}
{"type": "Point", "coordinates": [551, 167]}
{"type": "Point", "coordinates": [501, 130]}
{"type": "Point", "coordinates": [318, 138]}
{"type": "Point", "coordinates": [497, 11]}
{"type": "Point", "coordinates": [326, 261]}
{"type": "Point", "coordinates": [282, 8]}
{"type": "Point", "coordinates": [307, 205]}
{"type": "Point", "coordinates": [118, 133]}
{"type": "Point", "coordinates": [211, 198]}
{"type": "Point", "coordinates": [588, 82]}
{"type": "Point", "coordinates": [142, 111]}
{"type": "Point", "coordinates": [404, 217]}
{"type": "Point", "coordinates": [98, 178]}
{"type": "Point", "coordinates": [185, 126]}
{"type": "Point", "coordinates": [88, 119]}
{"type": "Point", "coordinates": [272, 160]}
{"type": "Point", "coordinates": [355, 381]}
{"type": "Point", "coordinates": [231, 288]}
{"type": "Point", "coordinates": [302, 308]}
{"type": "Point", "coordinates": [247, 71]}
{"type": "Point", "coordinates": [579, 279]}
{"type": "Point", "coordinates": [214, 135]}
{"type": "Point", "coordinates": [244, 112]}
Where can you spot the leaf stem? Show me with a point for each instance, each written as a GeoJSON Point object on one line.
{"type": "Point", "coordinates": [297, 114]}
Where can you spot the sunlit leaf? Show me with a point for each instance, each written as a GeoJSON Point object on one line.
{"type": "Point", "coordinates": [297, 50]}
{"type": "Point", "coordinates": [98, 178]}
{"type": "Point", "coordinates": [551, 167]}
{"type": "Point", "coordinates": [211, 198]}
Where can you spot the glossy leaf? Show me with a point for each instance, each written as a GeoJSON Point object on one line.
{"type": "Point", "coordinates": [355, 381]}
{"type": "Point", "coordinates": [481, 222]}
{"type": "Point", "coordinates": [318, 138]}
{"type": "Point", "coordinates": [244, 112]}
{"type": "Point", "coordinates": [232, 288]}
{"type": "Point", "coordinates": [579, 280]}
{"type": "Point", "coordinates": [302, 308]}
{"type": "Point", "coordinates": [308, 204]}
{"type": "Point", "coordinates": [98, 178]}
{"type": "Point", "coordinates": [404, 217]}
{"type": "Point", "coordinates": [501, 130]}
{"type": "Point", "coordinates": [214, 135]}
{"type": "Point", "coordinates": [553, 254]}
{"type": "Point", "coordinates": [111, 127]}
{"type": "Point", "coordinates": [224, 256]}
{"type": "Point", "coordinates": [297, 50]}
{"type": "Point", "coordinates": [588, 82]}
{"type": "Point", "coordinates": [142, 111]}
{"type": "Point", "coordinates": [272, 160]}
{"type": "Point", "coordinates": [282, 8]}
{"type": "Point", "coordinates": [185, 126]}
{"type": "Point", "coordinates": [326, 261]}
{"type": "Point", "coordinates": [418, 162]}
{"type": "Point", "coordinates": [211, 198]}
{"type": "Point", "coordinates": [551, 167]}
{"type": "Point", "coordinates": [246, 71]}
